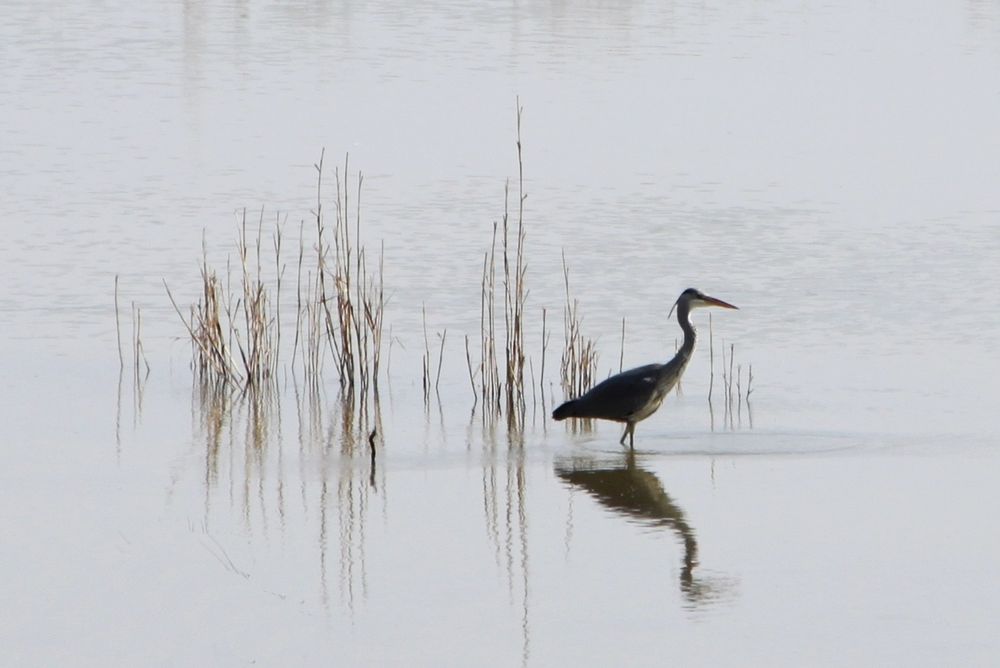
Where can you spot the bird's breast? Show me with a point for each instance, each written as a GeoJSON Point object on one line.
{"type": "Point", "coordinates": [650, 407]}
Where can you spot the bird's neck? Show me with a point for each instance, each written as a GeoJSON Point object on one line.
{"type": "Point", "coordinates": [684, 320]}
{"type": "Point", "coordinates": [671, 372]}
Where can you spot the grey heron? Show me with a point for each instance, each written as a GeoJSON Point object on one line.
{"type": "Point", "coordinates": [634, 395]}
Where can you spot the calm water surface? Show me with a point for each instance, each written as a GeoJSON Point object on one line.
{"type": "Point", "coordinates": [831, 169]}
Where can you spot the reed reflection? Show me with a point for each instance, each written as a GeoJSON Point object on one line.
{"type": "Point", "coordinates": [505, 499]}
{"type": "Point", "coordinates": [340, 439]}
{"type": "Point", "coordinates": [627, 489]}
{"type": "Point", "coordinates": [249, 472]}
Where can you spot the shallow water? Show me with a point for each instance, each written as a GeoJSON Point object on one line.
{"type": "Point", "coordinates": [829, 169]}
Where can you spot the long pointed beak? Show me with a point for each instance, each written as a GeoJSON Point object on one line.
{"type": "Point", "coordinates": [712, 301]}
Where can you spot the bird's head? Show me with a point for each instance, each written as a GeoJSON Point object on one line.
{"type": "Point", "coordinates": [693, 298]}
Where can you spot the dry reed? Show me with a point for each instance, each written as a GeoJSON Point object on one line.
{"type": "Point", "coordinates": [515, 293]}
{"type": "Point", "coordinates": [345, 305]}
{"type": "Point", "coordinates": [578, 369]}
{"type": "Point", "coordinates": [734, 392]}
{"type": "Point", "coordinates": [503, 394]}
{"type": "Point", "coordinates": [339, 315]}
{"type": "Point", "coordinates": [339, 307]}
{"type": "Point", "coordinates": [258, 352]}
{"type": "Point", "coordinates": [472, 374]}
{"type": "Point", "coordinates": [214, 324]}
{"type": "Point", "coordinates": [489, 373]}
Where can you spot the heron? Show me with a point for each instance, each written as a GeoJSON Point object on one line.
{"type": "Point", "coordinates": [632, 396]}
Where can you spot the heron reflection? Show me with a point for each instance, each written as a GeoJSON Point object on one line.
{"type": "Point", "coordinates": [629, 490]}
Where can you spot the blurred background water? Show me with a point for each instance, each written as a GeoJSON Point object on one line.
{"type": "Point", "coordinates": [830, 168]}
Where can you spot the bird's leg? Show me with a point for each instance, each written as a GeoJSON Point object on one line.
{"type": "Point", "coordinates": [630, 432]}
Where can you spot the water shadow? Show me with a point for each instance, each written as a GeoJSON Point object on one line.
{"type": "Point", "coordinates": [629, 490]}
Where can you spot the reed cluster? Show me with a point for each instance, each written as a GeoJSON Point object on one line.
{"type": "Point", "coordinates": [234, 338]}
{"type": "Point", "coordinates": [503, 394]}
{"type": "Point", "coordinates": [735, 393]}
{"type": "Point", "coordinates": [488, 372]}
{"type": "Point", "coordinates": [427, 361]}
{"type": "Point", "coordinates": [139, 359]}
{"type": "Point", "coordinates": [515, 293]}
{"type": "Point", "coordinates": [347, 302]}
{"type": "Point", "coordinates": [258, 351]}
{"type": "Point", "coordinates": [578, 369]}
{"type": "Point", "coordinates": [339, 307]}
{"type": "Point", "coordinates": [139, 363]}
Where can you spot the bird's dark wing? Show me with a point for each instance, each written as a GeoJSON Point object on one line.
{"type": "Point", "coordinates": [620, 396]}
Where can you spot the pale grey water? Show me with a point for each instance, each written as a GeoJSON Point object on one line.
{"type": "Point", "coordinates": [832, 169]}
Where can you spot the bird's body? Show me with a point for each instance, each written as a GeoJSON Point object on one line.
{"type": "Point", "coordinates": [634, 395]}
